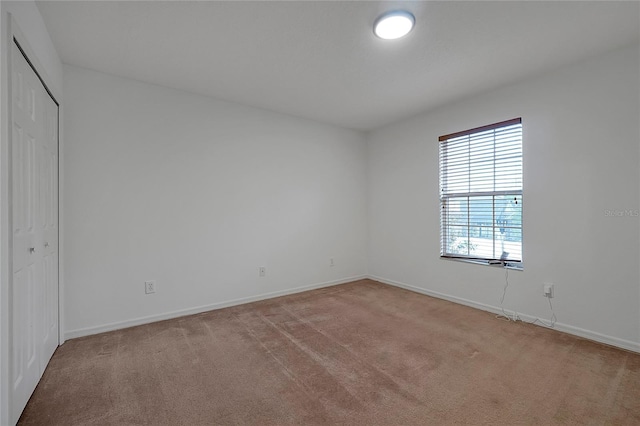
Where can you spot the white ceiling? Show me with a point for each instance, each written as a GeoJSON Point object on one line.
{"type": "Point", "coordinates": [320, 59]}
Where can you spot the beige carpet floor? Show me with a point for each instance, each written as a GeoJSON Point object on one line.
{"type": "Point", "coordinates": [361, 353]}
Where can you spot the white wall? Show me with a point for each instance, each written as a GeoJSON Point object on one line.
{"type": "Point", "coordinates": [197, 194]}
{"type": "Point", "coordinates": [581, 157]}
{"type": "Point", "coordinates": [36, 40]}
{"type": "Point", "coordinates": [27, 16]}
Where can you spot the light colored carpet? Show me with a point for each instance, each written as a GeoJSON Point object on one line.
{"type": "Point", "coordinates": [361, 353]}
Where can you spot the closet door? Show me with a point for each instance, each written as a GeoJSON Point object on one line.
{"type": "Point", "coordinates": [34, 290]}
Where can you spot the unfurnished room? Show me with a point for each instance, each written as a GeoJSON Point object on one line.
{"type": "Point", "coordinates": [319, 213]}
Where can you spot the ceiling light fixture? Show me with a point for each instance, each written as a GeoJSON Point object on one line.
{"type": "Point", "coordinates": [393, 25]}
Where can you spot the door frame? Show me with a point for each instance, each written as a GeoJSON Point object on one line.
{"type": "Point", "coordinates": [12, 34]}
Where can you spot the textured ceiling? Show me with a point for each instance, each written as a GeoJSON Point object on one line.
{"type": "Point", "coordinates": [320, 59]}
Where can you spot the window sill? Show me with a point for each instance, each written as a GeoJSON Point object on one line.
{"type": "Point", "coordinates": [517, 266]}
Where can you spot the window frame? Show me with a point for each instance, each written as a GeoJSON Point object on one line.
{"type": "Point", "coordinates": [445, 199]}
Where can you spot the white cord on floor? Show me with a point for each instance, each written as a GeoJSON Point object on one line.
{"type": "Point", "coordinates": [515, 317]}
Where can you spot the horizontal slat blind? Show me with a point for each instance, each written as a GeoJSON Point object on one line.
{"type": "Point", "coordinates": [481, 192]}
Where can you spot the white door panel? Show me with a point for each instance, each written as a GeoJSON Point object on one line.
{"type": "Point", "coordinates": [49, 235]}
{"type": "Point", "coordinates": [34, 290]}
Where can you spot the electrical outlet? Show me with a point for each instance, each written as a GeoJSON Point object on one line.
{"type": "Point", "coordinates": [331, 263]}
{"type": "Point", "coordinates": [149, 287]}
{"type": "Point", "coordinates": [262, 271]}
{"type": "Point", "coordinates": [548, 291]}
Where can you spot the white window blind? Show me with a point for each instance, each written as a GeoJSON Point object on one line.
{"type": "Point", "coordinates": [481, 193]}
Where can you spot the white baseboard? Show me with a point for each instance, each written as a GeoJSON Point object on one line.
{"type": "Point", "coordinates": [576, 331]}
{"type": "Point", "coordinates": [72, 334]}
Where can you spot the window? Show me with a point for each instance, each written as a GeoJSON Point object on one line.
{"type": "Point", "coordinates": [481, 194]}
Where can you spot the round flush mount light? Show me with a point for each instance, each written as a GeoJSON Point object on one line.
{"type": "Point", "coordinates": [393, 25]}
